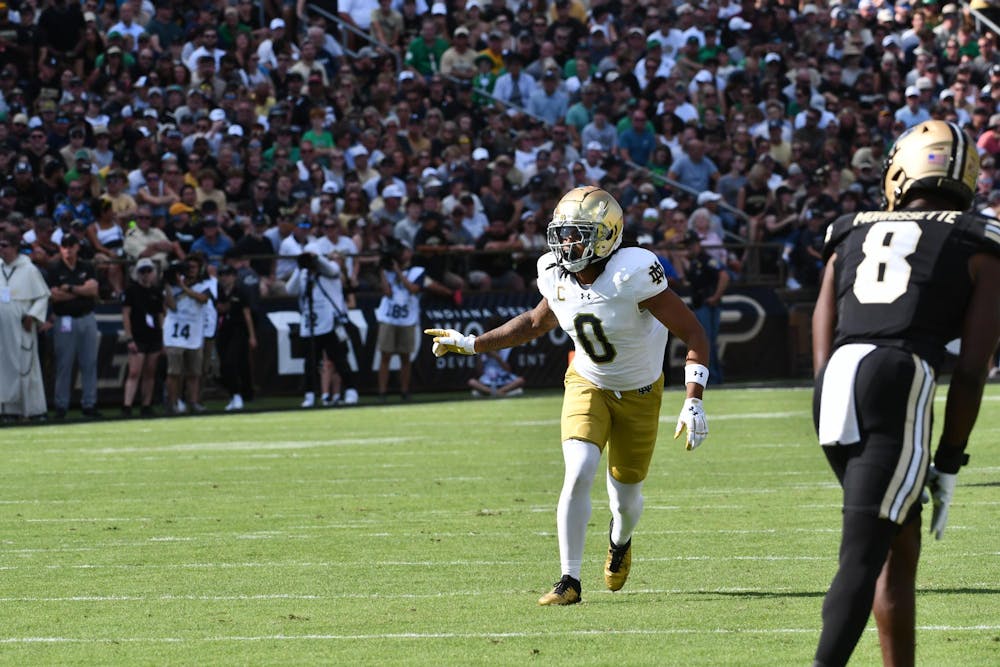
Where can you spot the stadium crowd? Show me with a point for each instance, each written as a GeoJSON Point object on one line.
{"type": "Point", "coordinates": [239, 132]}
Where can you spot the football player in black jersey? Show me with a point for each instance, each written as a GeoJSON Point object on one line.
{"type": "Point", "coordinates": [898, 285]}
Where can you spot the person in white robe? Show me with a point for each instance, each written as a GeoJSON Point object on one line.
{"type": "Point", "coordinates": [24, 300]}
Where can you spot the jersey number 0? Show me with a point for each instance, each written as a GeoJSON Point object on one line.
{"type": "Point", "coordinates": [884, 274]}
{"type": "Point", "coordinates": [588, 330]}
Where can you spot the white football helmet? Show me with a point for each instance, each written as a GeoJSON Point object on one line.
{"type": "Point", "coordinates": [934, 156]}
{"type": "Point", "coordinates": [586, 226]}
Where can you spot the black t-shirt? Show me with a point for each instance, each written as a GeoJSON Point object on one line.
{"type": "Point", "coordinates": [60, 274]}
{"type": "Point", "coordinates": [146, 304]}
{"type": "Point", "coordinates": [230, 306]}
{"type": "Point", "coordinates": [703, 276]}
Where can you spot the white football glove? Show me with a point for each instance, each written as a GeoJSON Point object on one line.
{"type": "Point", "coordinates": [449, 340]}
{"type": "Point", "coordinates": [693, 419]}
{"type": "Point", "coordinates": [942, 488]}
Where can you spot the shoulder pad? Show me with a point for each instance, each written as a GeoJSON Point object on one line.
{"type": "Point", "coordinates": [835, 233]}
{"type": "Point", "coordinates": [984, 230]}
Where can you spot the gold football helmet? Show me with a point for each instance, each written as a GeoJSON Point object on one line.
{"type": "Point", "coordinates": [934, 156]}
{"type": "Point", "coordinates": [586, 227]}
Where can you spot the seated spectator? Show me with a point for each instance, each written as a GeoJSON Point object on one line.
{"type": "Point", "coordinates": [144, 240]}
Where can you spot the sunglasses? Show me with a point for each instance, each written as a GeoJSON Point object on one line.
{"type": "Point", "coordinates": [146, 269]}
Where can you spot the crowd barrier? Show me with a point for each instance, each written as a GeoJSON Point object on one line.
{"type": "Point", "coordinates": [754, 343]}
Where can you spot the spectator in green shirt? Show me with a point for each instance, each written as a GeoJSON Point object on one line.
{"type": "Point", "coordinates": [425, 51]}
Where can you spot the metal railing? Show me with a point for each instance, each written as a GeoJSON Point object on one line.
{"type": "Point", "coordinates": [981, 19]}
{"type": "Point", "coordinates": [358, 32]}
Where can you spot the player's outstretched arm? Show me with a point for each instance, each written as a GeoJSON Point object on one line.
{"type": "Point", "coordinates": [980, 332]}
{"type": "Point", "coordinates": [674, 314]}
{"type": "Point", "coordinates": [527, 326]}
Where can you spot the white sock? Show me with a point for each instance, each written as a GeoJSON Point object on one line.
{"type": "Point", "coordinates": [626, 508]}
{"type": "Point", "coordinates": [573, 511]}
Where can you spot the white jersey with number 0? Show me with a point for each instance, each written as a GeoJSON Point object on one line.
{"type": "Point", "coordinates": [618, 345]}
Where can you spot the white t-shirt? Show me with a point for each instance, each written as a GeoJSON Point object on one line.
{"type": "Point", "coordinates": [618, 345]}
{"type": "Point", "coordinates": [402, 308]}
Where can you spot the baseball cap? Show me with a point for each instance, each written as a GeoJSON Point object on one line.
{"type": "Point", "coordinates": [439, 9]}
{"type": "Point", "coordinates": [145, 263]}
{"type": "Point", "coordinates": [772, 58]}
{"type": "Point", "coordinates": [480, 154]}
{"type": "Point", "coordinates": [277, 24]}
{"type": "Point", "coordinates": [708, 196]}
{"type": "Point", "coordinates": [912, 91]}
{"type": "Point", "coordinates": [737, 23]}
{"type": "Point", "coordinates": [668, 204]}
{"type": "Point", "coordinates": [650, 213]}
{"type": "Point", "coordinates": [392, 190]}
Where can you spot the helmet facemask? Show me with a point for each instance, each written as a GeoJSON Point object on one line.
{"type": "Point", "coordinates": [574, 242]}
{"type": "Point", "coordinates": [586, 227]}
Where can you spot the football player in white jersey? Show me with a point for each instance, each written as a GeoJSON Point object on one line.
{"type": "Point", "coordinates": [615, 304]}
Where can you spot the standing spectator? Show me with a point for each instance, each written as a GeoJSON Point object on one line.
{"type": "Point", "coordinates": [880, 329]}
{"type": "Point", "coordinates": [60, 27]}
{"type": "Point", "coordinates": [912, 113]}
{"type": "Point", "coordinates": [237, 338]}
{"type": "Point", "coordinates": [184, 333]}
{"type": "Point", "coordinates": [398, 314]}
{"type": "Point", "coordinates": [694, 169]}
{"type": "Point", "coordinates": [637, 140]}
{"type": "Point", "coordinates": [144, 240]}
{"type": "Point", "coordinates": [74, 295]}
{"type": "Point", "coordinates": [142, 321]}
{"type": "Point", "coordinates": [24, 298]}
{"type": "Point", "coordinates": [424, 53]}
{"type": "Point", "coordinates": [708, 280]}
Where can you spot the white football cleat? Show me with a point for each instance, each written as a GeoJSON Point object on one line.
{"type": "Point", "coordinates": [351, 397]}
{"type": "Point", "coordinates": [310, 400]}
{"type": "Point", "coordinates": [235, 404]}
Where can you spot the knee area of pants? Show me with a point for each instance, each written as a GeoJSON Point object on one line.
{"type": "Point", "coordinates": [627, 475]}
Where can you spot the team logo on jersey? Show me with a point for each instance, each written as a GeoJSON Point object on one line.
{"type": "Point", "coordinates": [656, 273]}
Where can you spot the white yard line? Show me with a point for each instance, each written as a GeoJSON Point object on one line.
{"type": "Point", "coordinates": [406, 636]}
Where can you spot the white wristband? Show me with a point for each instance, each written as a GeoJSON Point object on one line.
{"type": "Point", "coordinates": [696, 373]}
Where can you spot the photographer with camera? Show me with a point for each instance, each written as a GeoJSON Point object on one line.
{"type": "Point", "coordinates": [185, 297]}
{"type": "Point", "coordinates": [398, 314]}
{"type": "Point", "coordinates": [318, 282]}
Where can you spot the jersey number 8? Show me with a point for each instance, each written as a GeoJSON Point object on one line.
{"type": "Point", "coordinates": [884, 274]}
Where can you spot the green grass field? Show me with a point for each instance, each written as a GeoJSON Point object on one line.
{"type": "Point", "coordinates": [424, 534]}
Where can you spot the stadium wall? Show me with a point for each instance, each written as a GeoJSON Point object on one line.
{"type": "Point", "coordinates": [756, 343]}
